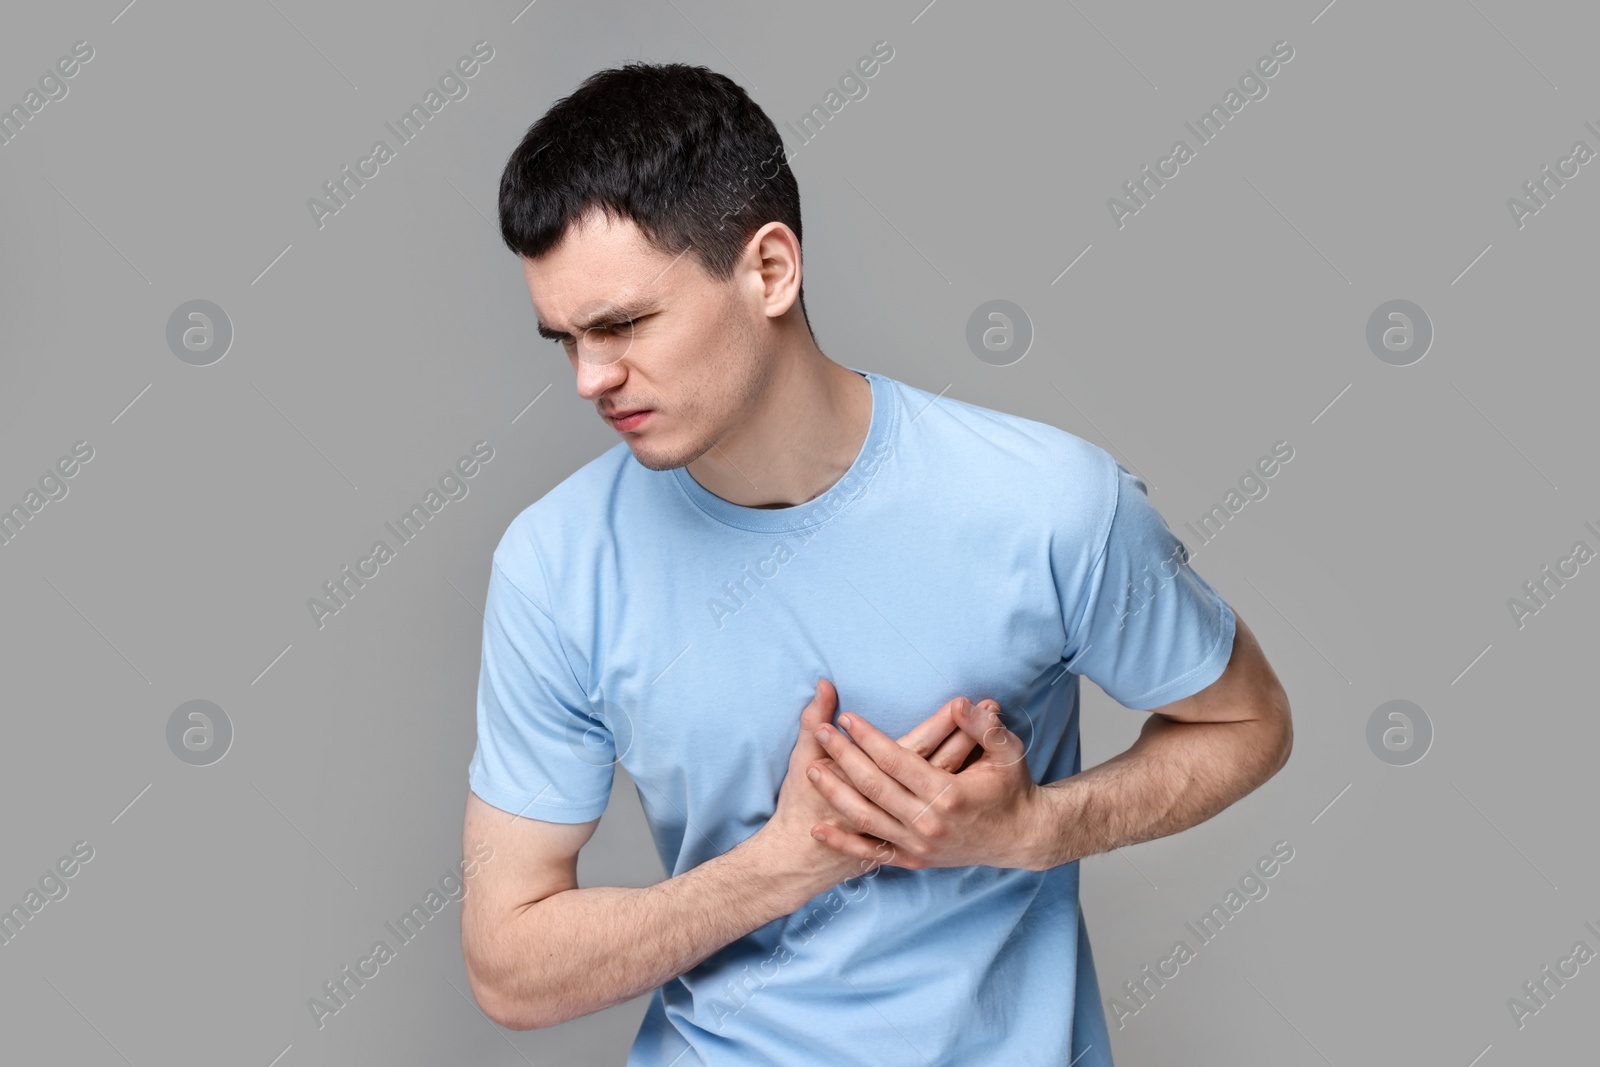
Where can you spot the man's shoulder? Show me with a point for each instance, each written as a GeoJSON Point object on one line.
{"type": "Point", "coordinates": [570, 512]}
{"type": "Point", "coordinates": [1013, 455]}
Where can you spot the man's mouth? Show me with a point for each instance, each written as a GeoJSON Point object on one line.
{"type": "Point", "coordinates": [627, 420]}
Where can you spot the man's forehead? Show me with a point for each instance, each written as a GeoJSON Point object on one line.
{"type": "Point", "coordinates": [583, 282]}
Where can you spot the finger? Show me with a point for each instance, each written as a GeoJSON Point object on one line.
{"type": "Point", "coordinates": [863, 816]}
{"type": "Point", "coordinates": [925, 737]}
{"type": "Point", "coordinates": [877, 787]}
{"type": "Point", "coordinates": [1000, 746]}
{"type": "Point", "coordinates": [905, 769]}
{"type": "Point", "coordinates": [872, 852]}
{"type": "Point", "coordinates": [818, 712]}
{"type": "Point", "coordinates": [953, 752]}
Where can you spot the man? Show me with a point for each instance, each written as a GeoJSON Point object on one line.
{"type": "Point", "coordinates": [775, 539]}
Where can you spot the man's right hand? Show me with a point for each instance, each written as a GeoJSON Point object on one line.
{"type": "Point", "coordinates": [938, 739]}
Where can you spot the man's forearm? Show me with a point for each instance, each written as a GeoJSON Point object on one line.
{"type": "Point", "coordinates": [1177, 774]}
{"type": "Point", "coordinates": [581, 950]}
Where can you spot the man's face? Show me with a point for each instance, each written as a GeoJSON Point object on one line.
{"type": "Point", "coordinates": [693, 356]}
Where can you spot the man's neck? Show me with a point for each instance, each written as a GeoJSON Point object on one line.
{"type": "Point", "coordinates": [798, 440]}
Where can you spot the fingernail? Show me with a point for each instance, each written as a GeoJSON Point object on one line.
{"type": "Point", "coordinates": [813, 774]}
{"type": "Point", "coordinates": [844, 721]}
{"type": "Point", "coordinates": [822, 734]}
{"type": "Point", "coordinates": [821, 838]}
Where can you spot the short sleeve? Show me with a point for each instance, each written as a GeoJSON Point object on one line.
{"type": "Point", "coordinates": [1149, 629]}
{"type": "Point", "coordinates": [541, 753]}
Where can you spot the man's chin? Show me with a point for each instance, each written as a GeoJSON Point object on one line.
{"type": "Point", "coordinates": [650, 459]}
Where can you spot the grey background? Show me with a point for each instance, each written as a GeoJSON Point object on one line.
{"type": "Point", "coordinates": [370, 354]}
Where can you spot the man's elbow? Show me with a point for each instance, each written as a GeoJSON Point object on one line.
{"type": "Point", "coordinates": [1281, 733]}
{"type": "Point", "coordinates": [501, 1006]}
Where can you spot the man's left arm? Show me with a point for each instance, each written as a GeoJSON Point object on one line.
{"type": "Point", "coordinates": [1193, 758]}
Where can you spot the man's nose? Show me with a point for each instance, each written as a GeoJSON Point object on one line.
{"type": "Point", "coordinates": [596, 378]}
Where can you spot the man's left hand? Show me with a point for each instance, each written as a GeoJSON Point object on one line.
{"type": "Point", "coordinates": [988, 813]}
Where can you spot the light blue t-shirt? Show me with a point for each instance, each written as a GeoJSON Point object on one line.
{"type": "Point", "coordinates": [634, 617]}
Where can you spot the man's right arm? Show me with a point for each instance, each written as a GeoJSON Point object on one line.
{"type": "Point", "coordinates": [539, 950]}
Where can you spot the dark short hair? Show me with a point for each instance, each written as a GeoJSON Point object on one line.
{"type": "Point", "coordinates": [680, 150]}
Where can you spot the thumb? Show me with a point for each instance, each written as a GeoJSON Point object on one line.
{"type": "Point", "coordinates": [983, 724]}
{"type": "Point", "coordinates": [819, 712]}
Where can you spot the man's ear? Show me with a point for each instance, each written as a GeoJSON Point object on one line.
{"type": "Point", "coordinates": [778, 254]}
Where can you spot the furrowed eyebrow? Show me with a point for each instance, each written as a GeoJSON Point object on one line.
{"type": "Point", "coordinates": [611, 313]}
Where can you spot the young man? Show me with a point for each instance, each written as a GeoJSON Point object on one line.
{"type": "Point", "coordinates": [775, 539]}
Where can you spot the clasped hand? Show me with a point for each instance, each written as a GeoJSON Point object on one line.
{"type": "Point", "coordinates": [985, 813]}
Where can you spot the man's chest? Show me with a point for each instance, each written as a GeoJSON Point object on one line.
{"type": "Point", "coordinates": [702, 663]}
